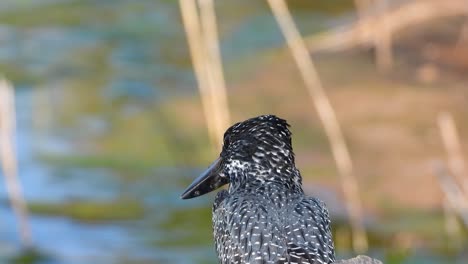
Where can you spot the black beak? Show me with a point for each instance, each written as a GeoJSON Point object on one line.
{"type": "Point", "coordinates": [208, 181]}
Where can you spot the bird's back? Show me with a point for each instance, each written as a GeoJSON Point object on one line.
{"type": "Point", "coordinates": [253, 227]}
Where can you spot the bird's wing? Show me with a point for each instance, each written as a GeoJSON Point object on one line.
{"type": "Point", "coordinates": [220, 230]}
{"type": "Point", "coordinates": [226, 246]}
{"type": "Point", "coordinates": [254, 233]}
{"type": "Point", "coordinates": [308, 233]}
{"type": "Point", "coordinates": [247, 232]}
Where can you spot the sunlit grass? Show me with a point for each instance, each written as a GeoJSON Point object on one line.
{"type": "Point", "coordinates": [91, 211]}
{"type": "Point", "coordinates": [188, 227]}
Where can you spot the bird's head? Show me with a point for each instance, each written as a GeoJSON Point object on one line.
{"type": "Point", "coordinates": [258, 149]}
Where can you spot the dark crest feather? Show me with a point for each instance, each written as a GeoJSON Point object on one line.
{"type": "Point", "coordinates": [269, 129]}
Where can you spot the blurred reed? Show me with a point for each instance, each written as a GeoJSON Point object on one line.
{"type": "Point", "coordinates": [407, 14]}
{"type": "Point", "coordinates": [328, 117]}
{"type": "Point", "coordinates": [451, 142]}
{"type": "Point", "coordinates": [463, 34]}
{"type": "Point", "coordinates": [193, 32]}
{"type": "Point", "coordinates": [361, 7]}
{"type": "Point", "coordinates": [455, 187]}
{"type": "Point", "coordinates": [452, 226]}
{"type": "Point", "coordinates": [9, 161]}
{"type": "Point", "coordinates": [383, 38]}
{"type": "Point", "coordinates": [362, 13]}
{"type": "Point", "coordinates": [204, 49]}
{"type": "Point", "coordinates": [453, 193]}
{"type": "Point", "coordinates": [215, 67]}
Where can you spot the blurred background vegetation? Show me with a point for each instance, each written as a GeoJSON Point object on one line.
{"type": "Point", "coordinates": [110, 127]}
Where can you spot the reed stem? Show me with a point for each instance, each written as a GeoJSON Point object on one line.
{"type": "Point", "coordinates": [202, 36]}
{"type": "Point", "coordinates": [9, 161]}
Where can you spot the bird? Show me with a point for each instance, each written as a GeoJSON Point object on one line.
{"type": "Point", "coordinates": [264, 215]}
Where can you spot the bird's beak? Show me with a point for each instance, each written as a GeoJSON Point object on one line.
{"type": "Point", "coordinates": [208, 181]}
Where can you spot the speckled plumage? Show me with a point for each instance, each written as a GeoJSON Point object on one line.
{"type": "Point", "coordinates": [264, 216]}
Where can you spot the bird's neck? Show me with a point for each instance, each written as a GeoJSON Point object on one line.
{"type": "Point", "coordinates": [285, 179]}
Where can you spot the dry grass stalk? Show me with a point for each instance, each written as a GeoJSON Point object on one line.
{"type": "Point", "coordinates": [383, 39]}
{"type": "Point", "coordinates": [9, 162]}
{"type": "Point", "coordinates": [328, 118]}
{"type": "Point", "coordinates": [214, 68]}
{"type": "Point", "coordinates": [362, 8]}
{"type": "Point", "coordinates": [192, 27]}
{"type": "Point", "coordinates": [452, 226]}
{"type": "Point", "coordinates": [202, 37]}
{"type": "Point", "coordinates": [463, 37]}
{"type": "Point", "coordinates": [406, 15]}
{"type": "Point", "coordinates": [451, 141]}
{"type": "Point", "coordinates": [453, 193]}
